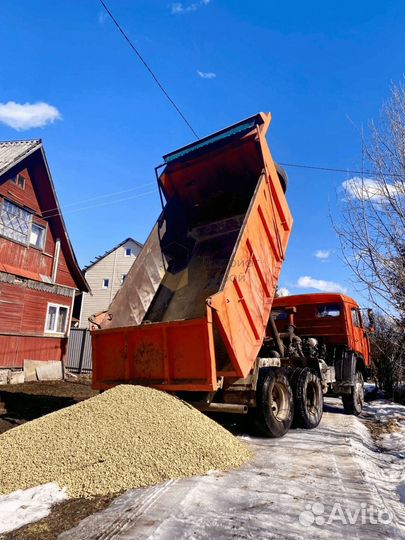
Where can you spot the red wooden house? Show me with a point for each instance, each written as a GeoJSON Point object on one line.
{"type": "Point", "coordinates": [39, 274]}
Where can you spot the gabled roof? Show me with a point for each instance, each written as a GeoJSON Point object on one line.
{"type": "Point", "coordinates": [31, 152]}
{"type": "Point", "coordinates": [11, 152]}
{"type": "Point", "coordinates": [100, 257]}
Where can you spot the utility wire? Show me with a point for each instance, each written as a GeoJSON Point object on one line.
{"type": "Point", "coordinates": [372, 173]}
{"type": "Point", "coordinates": [90, 199]}
{"type": "Point", "coordinates": [147, 67]}
{"type": "Point", "coordinates": [56, 211]}
{"type": "Point", "coordinates": [52, 212]}
{"type": "Point", "coordinates": [106, 203]}
{"type": "Point", "coordinates": [138, 54]}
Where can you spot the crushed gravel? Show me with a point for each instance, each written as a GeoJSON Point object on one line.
{"type": "Point", "coordinates": [127, 437]}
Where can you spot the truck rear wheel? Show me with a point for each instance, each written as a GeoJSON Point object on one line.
{"type": "Point", "coordinates": [353, 402]}
{"type": "Point", "coordinates": [275, 405]}
{"type": "Point", "coordinates": [308, 397]}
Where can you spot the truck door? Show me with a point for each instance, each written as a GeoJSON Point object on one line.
{"type": "Point", "coordinates": [359, 334]}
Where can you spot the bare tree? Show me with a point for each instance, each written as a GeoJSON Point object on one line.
{"type": "Point", "coordinates": [372, 231]}
{"type": "Point", "coordinates": [372, 237]}
{"type": "Point", "coordinates": [388, 353]}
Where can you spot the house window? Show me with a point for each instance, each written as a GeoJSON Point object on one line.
{"type": "Point", "coordinates": [122, 279]}
{"type": "Point", "coordinates": [37, 236]}
{"type": "Point", "coordinates": [128, 252]}
{"type": "Point", "coordinates": [106, 283]}
{"type": "Point", "coordinates": [56, 319]}
{"type": "Point", "coordinates": [18, 180]}
{"type": "Point", "coordinates": [15, 222]}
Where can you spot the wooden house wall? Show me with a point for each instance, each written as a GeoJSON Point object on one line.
{"type": "Point", "coordinates": [28, 257]}
{"type": "Point", "coordinates": [23, 313]}
{"type": "Point", "coordinates": [23, 310]}
{"type": "Point", "coordinates": [15, 349]}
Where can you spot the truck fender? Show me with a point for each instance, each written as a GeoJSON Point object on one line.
{"type": "Point", "coordinates": [346, 367]}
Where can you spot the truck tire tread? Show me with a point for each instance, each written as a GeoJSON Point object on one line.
{"type": "Point", "coordinates": [308, 397]}
{"type": "Point", "coordinates": [275, 405]}
{"type": "Point", "coordinates": [353, 402]}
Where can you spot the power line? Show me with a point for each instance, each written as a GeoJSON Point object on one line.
{"type": "Point", "coordinates": [56, 212]}
{"type": "Point", "coordinates": [52, 212]}
{"type": "Point", "coordinates": [333, 169]}
{"type": "Point", "coordinates": [90, 199]}
{"type": "Point", "coordinates": [106, 203]}
{"type": "Point", "coordinates": [147, 67]}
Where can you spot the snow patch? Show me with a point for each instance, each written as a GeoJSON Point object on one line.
{"type": "Point", "coordinates": [26, 506]}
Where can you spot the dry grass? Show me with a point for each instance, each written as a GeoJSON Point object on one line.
{"type": "Point", "coordinates": [64, 516]}
{"type": "Point", "coordinates": [379, 428]}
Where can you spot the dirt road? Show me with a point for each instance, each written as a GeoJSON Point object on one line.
{"type": "Point", "coordinates": [338, 481]}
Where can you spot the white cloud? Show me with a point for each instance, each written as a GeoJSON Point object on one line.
{"type": "Point", "coordinates": [283, 291]}
{"type": "Point", "coordinates": [206, 74]}
{"type": "Point", "coordinates": [307, 282]}
{"type": "Point", "coordinates": [22, 116]}
{"type": "Point", "coordinates": [178, 8]}
{"type": "Point", "coordinates": [323, 254]}
{"type": "Point", "coordinates": [368, 189]}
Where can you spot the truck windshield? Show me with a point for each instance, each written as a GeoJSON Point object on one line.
{"type": "Point", "coordinates": [279, 315]}
{"type": "Point", "coordinates": [328, 310]}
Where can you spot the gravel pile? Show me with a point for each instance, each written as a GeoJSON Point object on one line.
{"type": "Point", "coordinates": [125, 438]}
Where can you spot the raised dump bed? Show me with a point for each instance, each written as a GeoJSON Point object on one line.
{"type": "Point", "coordinates": [194, 307]}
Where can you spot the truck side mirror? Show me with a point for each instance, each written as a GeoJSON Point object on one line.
{"type": "Point", "coordinates": [371, 320]}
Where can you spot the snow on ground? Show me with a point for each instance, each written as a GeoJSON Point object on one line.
{"type": "Point", "coordinates": [25, 506]}
{"type": "Point", "coordinates": [337, 481]}
{"type": "Point", "coordinates": [388, 419]}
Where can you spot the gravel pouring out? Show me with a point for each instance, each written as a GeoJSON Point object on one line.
{"type": "Point", "coordinates": [127, 437]}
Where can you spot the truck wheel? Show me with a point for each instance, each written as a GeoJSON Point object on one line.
{"type": "Point", "coordinates": [308, 397]}
{"type": "Point", "coordinates": [353, 402]}
{"type": "Point", "coordinates": [282, 176]}
{"type": "Point", "coordinates": [275, 405]}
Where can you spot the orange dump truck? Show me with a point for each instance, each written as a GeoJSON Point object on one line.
{"type": "Point", "coordinates": [192, 317]}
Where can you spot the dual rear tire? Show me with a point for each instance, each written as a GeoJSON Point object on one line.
{"type": "Point", "coordinates": [308, 397]}
{"type": "Point", "coordinates": [286, 398]}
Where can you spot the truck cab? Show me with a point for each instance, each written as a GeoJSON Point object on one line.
{"type": "Point", "coordinates": [331, 327]}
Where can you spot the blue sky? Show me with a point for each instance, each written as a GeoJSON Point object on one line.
{"type": "Point", "coordinates": [321, 67]}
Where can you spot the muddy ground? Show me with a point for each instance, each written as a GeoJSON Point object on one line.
{"type": "Point", "coordinates": [20, 403]}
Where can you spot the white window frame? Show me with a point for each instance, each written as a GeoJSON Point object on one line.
{"type": "Point", "coordinates": [123, 278]}
{"type": "Point", "coordinates": [108, 283]}
{"type": "Point", "coordinates": [58, 306]}
{"type": "Point", "coordinates": [10, 237]}
{"type": "Point", "coordinates": [130, 252]}
{"type": "Point", "coordinates": [26, 242]}
{"type": "Point", "coordinates": [44, 228]}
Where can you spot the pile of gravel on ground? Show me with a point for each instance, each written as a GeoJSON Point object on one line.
{"type": "Point", "coordinates": [125, 438]}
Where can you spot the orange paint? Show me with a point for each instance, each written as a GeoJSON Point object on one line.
{"type": "Point", "coordinates": [223, 180]}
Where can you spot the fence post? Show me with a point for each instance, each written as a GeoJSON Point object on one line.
{"type": "Point", "coordinates": [82, 345]}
